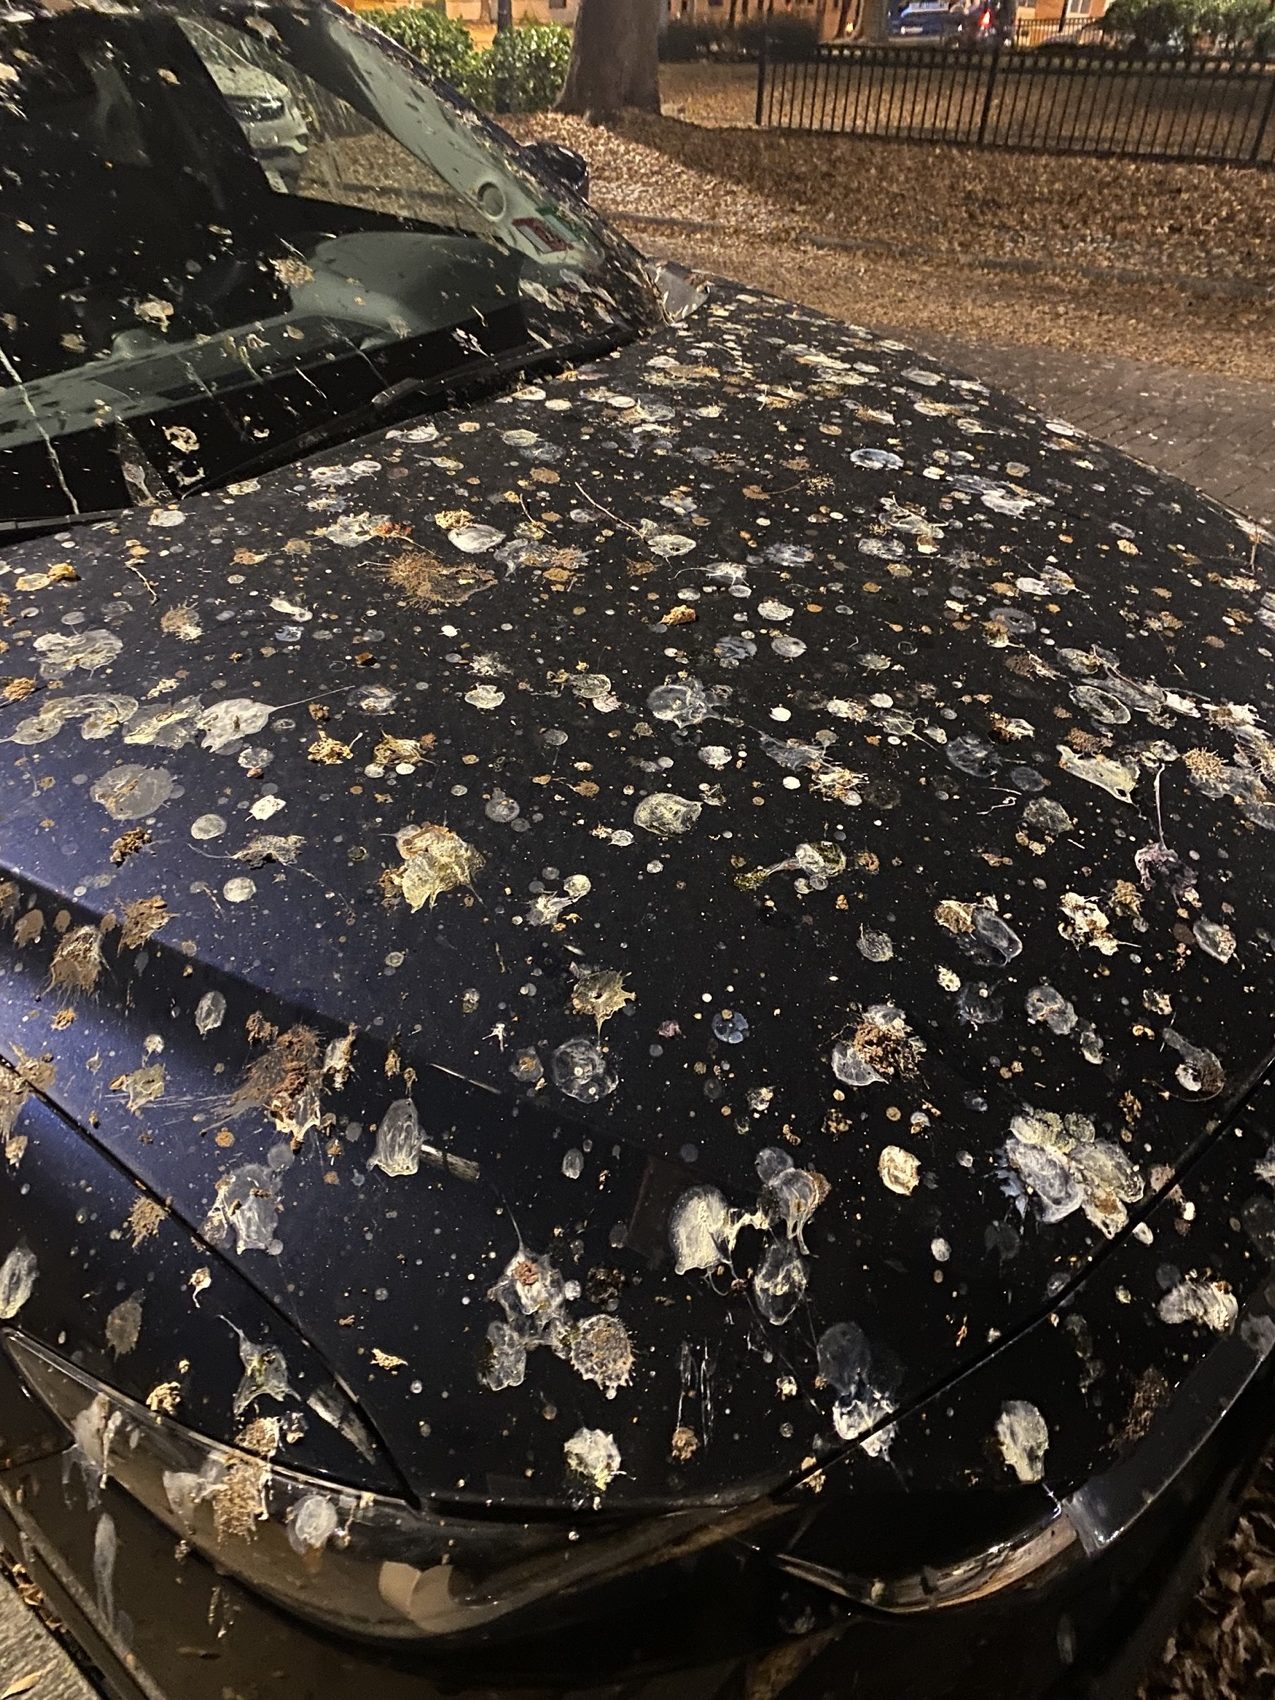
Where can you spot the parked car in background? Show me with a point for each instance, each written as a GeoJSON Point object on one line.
{"type": "Point", "coordinates": [636, 976]}
{"type": "Point", "coordinates": [1088, 39]}
{"type": "Point", "coordinates": [262, 105]}
{"type": "Point", "coordinates": [988, 24]}
{"type": "Point", "coordinates": [924, 20]}
{"type": "Point", "coordinates": [1093, 41]}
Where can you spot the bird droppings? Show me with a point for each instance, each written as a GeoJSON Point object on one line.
{"type": "Point", "coordinates": [17, 1278]}
{"type": "Point", "coordinates": [248, 1203]}
{"type": "Point", "coordinates": [398, 1140]}
{"type": "Point", "coordinates": [128, 844]}
{"type": "Point", "coordinates": [667, 815]}
{"type": "Point", "coordinates": [601, 1351]}
{"type": "Point", "coordinates": [435, 861]}
{"type": "Point", "coordinates": [702, 1230]}
{"type": "Point", "coordinates": [129, 792]}
{"type": "Point", "coordinates": [600, 994]}
{"type": "Point", "coordinates": [239, 1499]}
{"type": "Point", "coordinates": [1199, 1071]}
{"type": "Point", "coordinates": [580, 1071]}
{"type": "Point", "coordinates": [283, 1082]}
{"type": "Point", "coordinates": [1208, 1304]}
{"type": "Point", "coordinates": [312, 1523]}
{"type": "Point", "coordinates": [144, 1220]}
{"type": "Point", "coordinates": [141, 920]}
{"type": "Point", "coordinates": [1084, 924]}
{"type": "Point", "coordinates": [864, 1387]}
{"type": "Point", "coordinates": [437, 584]}
{"type": "Point", "coordinates": [882, 1045]}
{"type": "Point", "coordinates": [77, 962]}
{"type": "Point", "coordinates": [142, 1087]}
{"type": "Point", "coordinates": [124, 1325]}
{"type": "Point", "coordinates": [592, 1459]}
{"type": "Point", "coordinates": [1023, 1438]}
{"type": "Point", "coordinates": [1117, 778]}
{"type": "Point", "coordinates": [1063, 1167]}
{"type": "Point", "coordinates": [900, 1170]}
{"type": "Point", "coordinates": [536, 1301]}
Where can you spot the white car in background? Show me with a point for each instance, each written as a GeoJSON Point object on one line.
{"type": "Point", "coordinates": [265, 108]}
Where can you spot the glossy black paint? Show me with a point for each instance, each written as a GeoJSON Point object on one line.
{"type": "Point", "coordinates": [293, 589]}
{"type": "Point", "coordinates": [710, 908]}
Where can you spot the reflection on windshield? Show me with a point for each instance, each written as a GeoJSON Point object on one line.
{"type": "Point", "coordinates": [237, 229]}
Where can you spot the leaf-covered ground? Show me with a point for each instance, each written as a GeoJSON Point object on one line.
{"type": "Point", "coordinates": [1159, 262]}
{"type": "Point", "coordinates": [1224, 1648]}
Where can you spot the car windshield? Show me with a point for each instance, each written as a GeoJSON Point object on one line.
{"type": "Point", "coordinates": [230, 234]}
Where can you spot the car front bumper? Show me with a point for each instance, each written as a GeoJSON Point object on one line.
{"type": "Point", "coordinates": [161, 1623]}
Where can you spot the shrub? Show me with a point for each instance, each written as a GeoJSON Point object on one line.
{"type": "Point", "coordinates": [526, 67]}
{"type": "Point", "coordinates": [683, 40]}
{"type": "Point", "coordinates": [1228, 26]}
{"type": "Point", "coordinates": [787, 37]}
{"type": "Point", "coordinates": [1240, 25]}
{"type": "Point", "coordinates": [438, 41]}
{"type": "Point", "coordinates": [523, 71]}
{"type": "Point", "coordinates": [1155, 23]}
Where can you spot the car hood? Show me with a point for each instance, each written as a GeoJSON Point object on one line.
{"type": "Point", "coordinates": [668, 912]}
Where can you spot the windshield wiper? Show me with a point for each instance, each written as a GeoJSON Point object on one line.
{"type": "Point", "coordinates": [396, 403]}
{"type": "Point", "coordinates": [142, 479]}
{"type": "Point", "coordinates": [339, 428]}
{"type": "Point", "coordinates": [36, 525]}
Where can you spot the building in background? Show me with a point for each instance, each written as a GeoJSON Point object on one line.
{"type": "Point", "coordinates": [481, 14]}
{"type": "Point", "coordinates": [835, 18]}
{"type": "Point", "coordinates": [830, 17]}
{"type": "Point", "coordinates": [525, 11]}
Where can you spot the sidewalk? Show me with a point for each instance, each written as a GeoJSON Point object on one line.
{"type": "Point", "coordinates": [32, 1663]}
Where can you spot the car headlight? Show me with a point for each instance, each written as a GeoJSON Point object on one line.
{"type": "Point", "coordinates": [352, 1561]}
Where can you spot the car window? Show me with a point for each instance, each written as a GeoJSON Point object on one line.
{"type": "Point", "coordinates": [235, 227]}
{"type": "Point", "coordinates": [313, 143]}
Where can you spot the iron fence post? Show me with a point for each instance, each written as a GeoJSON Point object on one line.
{"type": "Point", "coordinates": [987, 98]}
{"type": "Point", "coordinates": [1267, 112]}
{"type": "Point", "coordinates": [762, 56]}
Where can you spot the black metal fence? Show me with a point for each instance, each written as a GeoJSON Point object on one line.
{"type": "Point", "coordinates": [1193, 109]}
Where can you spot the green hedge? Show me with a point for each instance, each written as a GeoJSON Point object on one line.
{"type": "Point", "coordinates": [528, 66]}
{"type": "Point", "coordinates": [1240, 26]}
{"type": "Point", "coordinates": [787, 38]}
{"type": "Point", "coordinates": [522, 72]}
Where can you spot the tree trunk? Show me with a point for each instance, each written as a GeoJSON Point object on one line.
{"type": "Point", "coordinates": [874, 21]}
{"type": "Point", "coordinates": [504, 14]}
{"type": "Point", "coordinates": [614, 58]}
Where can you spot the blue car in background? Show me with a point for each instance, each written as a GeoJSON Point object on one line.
{"type": "Point", "coordinates": [925, 20]}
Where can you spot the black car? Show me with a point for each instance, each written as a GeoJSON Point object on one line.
{"type": "Point", "coordinates": [637, 1006]}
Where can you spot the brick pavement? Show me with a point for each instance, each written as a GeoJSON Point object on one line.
{"type": "Point", "coordinates": [1216, 433]}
